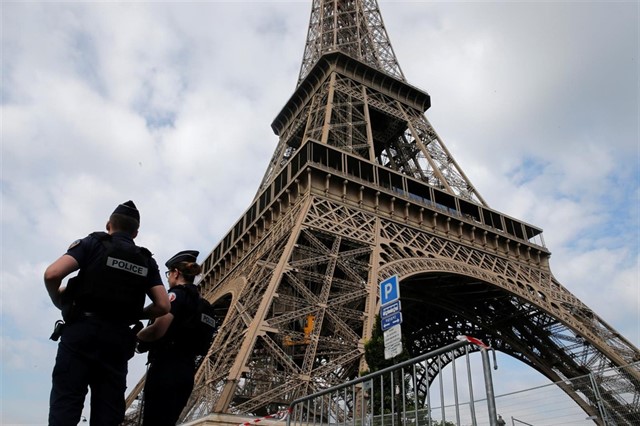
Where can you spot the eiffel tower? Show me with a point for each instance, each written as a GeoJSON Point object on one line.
{"type": "Point", "coordinates": [360, 188]}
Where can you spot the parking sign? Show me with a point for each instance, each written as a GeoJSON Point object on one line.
{"type": "Point", "coordinates": [389, 290]}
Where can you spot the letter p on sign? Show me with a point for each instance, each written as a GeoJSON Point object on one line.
{"type": "Point", "coordinates": [389, 290]}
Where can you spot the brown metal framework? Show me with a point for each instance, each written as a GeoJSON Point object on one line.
{"type": "Point", "coordinates": [361, 188]}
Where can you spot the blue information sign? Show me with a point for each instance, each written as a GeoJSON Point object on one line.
{"type": "Point", "coordinates": [390, 309]}
{"type": "Point", "coordinates": [388, 322]}
{"type": "Point", "coordinates": [389, 290]}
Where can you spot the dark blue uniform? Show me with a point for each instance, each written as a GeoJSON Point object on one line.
{"type": "Point", "coordinates": [94, 350]}
{"type": "Point", "coordinates": [169, 380]}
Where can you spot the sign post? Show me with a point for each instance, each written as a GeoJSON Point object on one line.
{"type": "Point", "coordinates": [391, 316]}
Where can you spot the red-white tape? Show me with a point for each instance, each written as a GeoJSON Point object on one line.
{"type": "Point", "coordinates": [475, 341]}
{"type": "Point", "coordinates": [280, 415]}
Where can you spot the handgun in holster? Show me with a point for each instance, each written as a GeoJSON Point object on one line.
{"type": "Point", "coordinates": [57, 330]}
{"type": "Point", "coordinates": [142, 347]}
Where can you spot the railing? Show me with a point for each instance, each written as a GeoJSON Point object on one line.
{"type": "Point", "coordinates": [548, 404]}
{"type": "Point", "coordinates": [400, 395]}
{"type": "Point", "coordinates": [367, 174]}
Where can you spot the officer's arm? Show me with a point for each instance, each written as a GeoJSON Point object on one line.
{"type": "Point", "coordinates": [156, 330]}
{"type": "Point", "coordinates": [54, 275]}
{"type": "Point", "coordinates": [160, 306]}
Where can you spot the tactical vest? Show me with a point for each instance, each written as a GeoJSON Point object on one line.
{"type": "Point", "coordinates": [114, 286]}
{"type": "Point", "coordinates": [188, 334]}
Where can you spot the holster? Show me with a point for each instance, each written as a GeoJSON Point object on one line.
{"type": "Point", "coordinates": [133, 338]}
{"type": "Point", "coordinates": [57, 330]}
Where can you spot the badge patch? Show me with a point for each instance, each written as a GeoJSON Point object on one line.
{"type": "Point", "coordinates": [123, 265]}
{"type": "Point", "coordinates": [73, 244]}
{"type": "Point", "coordinates": [172, 297]}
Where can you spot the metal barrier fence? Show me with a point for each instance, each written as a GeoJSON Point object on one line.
{"type": "Point", "coordinates": [549, 405]}
{"type": "Point", "coordinates": [400, 395]}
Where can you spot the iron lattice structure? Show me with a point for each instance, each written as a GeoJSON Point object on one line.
{"type": "Point", "coordinates": [360, 188]}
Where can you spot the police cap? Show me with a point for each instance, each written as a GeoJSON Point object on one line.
{"type": "Point", "coordinates": [183, 256]}
{"type": "Point", "coordinates": [128, 209]}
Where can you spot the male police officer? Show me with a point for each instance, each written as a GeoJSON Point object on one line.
{"type": "Point", "coordinates": [99, 306]}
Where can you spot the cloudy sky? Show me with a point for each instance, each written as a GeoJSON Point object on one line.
{"type": "Point", "coordinates": [170, 104]}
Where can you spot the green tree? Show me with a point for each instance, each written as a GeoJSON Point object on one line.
{"type": "Point", "coordinates": [374, 355]}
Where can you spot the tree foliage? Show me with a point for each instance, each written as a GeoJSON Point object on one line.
{"type": "Point", "coordinates": [374, 355]}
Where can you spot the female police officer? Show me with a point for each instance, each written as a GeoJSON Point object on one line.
{"type": "Point", "coordinates": [171, 359]}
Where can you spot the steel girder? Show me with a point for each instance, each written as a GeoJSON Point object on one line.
{"type": "Point", "coordinates": [297, 275]}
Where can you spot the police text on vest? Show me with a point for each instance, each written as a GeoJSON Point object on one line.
{"type": "Point", "coordinates": [123, 265]}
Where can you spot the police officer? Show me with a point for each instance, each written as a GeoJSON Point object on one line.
{"type": "Point", "coordinates": [171, 358]}
{"type": "Point", "coordinates": [99, 306]}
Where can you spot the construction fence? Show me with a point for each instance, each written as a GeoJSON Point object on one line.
{"type": "Point", "coordinates": [549, 405]}
{"type": "Point", "coordinates": [401, 396]}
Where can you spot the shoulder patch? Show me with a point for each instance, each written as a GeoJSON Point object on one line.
{"type": "Point", "coordinates": [73, 244]}
{"type": "Point", "coordinates": [172, 297]}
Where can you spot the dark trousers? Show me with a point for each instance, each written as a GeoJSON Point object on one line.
{"type": "Point", "coordinates": [91, 353]}
{"type": "Point", "coordinates": [167, 388]}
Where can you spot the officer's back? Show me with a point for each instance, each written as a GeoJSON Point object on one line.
{"type": "Point", "coordinates": [99, 305]}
